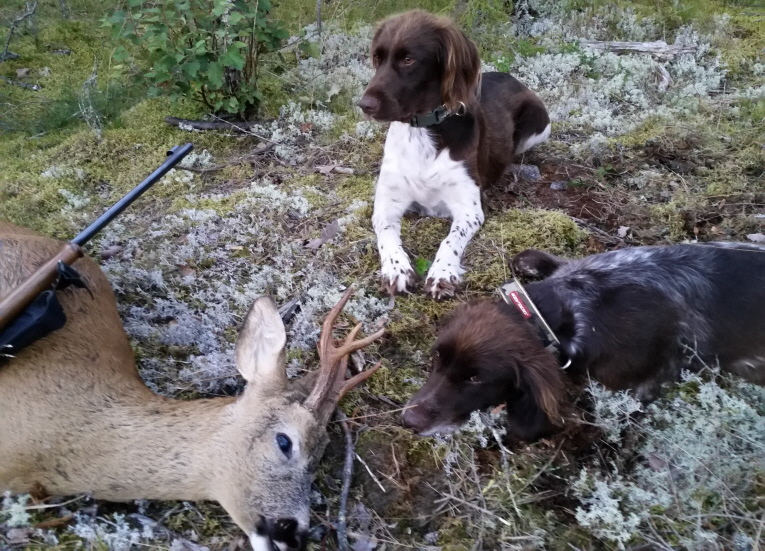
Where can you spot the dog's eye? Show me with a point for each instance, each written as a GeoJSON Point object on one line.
{"type": "Point", "coordinates": [407, 60]}
{"type": "Point", "coordinates": [474, 379]}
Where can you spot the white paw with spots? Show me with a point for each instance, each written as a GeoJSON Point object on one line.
{"type": "Point", "coordinates": [443, 279]}
{"type": "Point", "coordinates": [396, 271]}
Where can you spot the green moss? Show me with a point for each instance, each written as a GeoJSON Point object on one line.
{"type": "Point", "coordinates": [356, 187]}
{"type": "Point", "coordinates": [392, 383]}
{"type": "Point", "coordinates": [651, 128]}
{"type": "Point", "coordinates": [669, 220]}
{"type": "Point", "coordinates": [507, 233]}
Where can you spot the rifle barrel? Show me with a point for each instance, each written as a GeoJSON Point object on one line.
{"type": "Point", "coordinates": [174, 157]}
{"type": "Point", "coordinates": [15, 302]}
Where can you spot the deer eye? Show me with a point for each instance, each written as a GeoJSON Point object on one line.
{"type": "Point", "coordinates": [284, 443]}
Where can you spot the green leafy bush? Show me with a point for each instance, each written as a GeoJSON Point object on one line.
{"type": "Point", "coordinates": [207, 50]}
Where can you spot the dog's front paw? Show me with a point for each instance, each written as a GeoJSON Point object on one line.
{"type": "Point", "coordinates": [396, 274]}
{"type": "Point", "coordinates": [534, 264]}
{"type": "Point", "coordinates": [442, 282]}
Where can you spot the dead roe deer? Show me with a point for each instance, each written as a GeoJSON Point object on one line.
{"type": "Point", "coordinates": [76, 417]}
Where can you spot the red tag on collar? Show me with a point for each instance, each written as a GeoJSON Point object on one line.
{"type": "Point", "coordinates": [516, 298]}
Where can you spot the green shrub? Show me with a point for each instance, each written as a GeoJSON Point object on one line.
{"type": "Point", "coordinates": [206, 50]}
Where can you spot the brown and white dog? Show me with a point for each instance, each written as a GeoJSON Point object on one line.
{"type": "Point", "coordinates": [630, 319]}
{"type": "Point", "coordinates": [453, 130]}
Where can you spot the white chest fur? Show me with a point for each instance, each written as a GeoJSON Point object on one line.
{"type": "Point", "coordinates": [416, 172]}
{"type": "Point", "coordinates": [415, 176]}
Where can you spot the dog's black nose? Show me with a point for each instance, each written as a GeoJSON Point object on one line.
{"type": "Point", "coordinates": [369, 104]}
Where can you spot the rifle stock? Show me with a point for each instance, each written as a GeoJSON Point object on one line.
{"type": "Point", "coordinates": [15, 302]}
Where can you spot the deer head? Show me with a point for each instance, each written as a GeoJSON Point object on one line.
{"type": "Point", "coordinates": [75, 417]}
{"type": "Point", "coordinates": [286, 436]}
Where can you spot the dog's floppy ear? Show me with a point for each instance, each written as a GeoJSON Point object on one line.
{"type": "Point", "coordinates": [535, 412]}
{"type": "Point", "coordinates": [541, 379]}
{"type": "Point", "coordinates": [462, 68]}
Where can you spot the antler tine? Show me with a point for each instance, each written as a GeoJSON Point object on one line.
{"type": "Point", "coordinates": [325, 340]}
{"type": "Point", "coordinates": [329, 386]}
{"type": "Point", "coordinates": [357, 379]}
{"type": "Point", "coordinates": [352, 346]}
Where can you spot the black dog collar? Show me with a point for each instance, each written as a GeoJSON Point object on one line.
{"type": "Point", "coordinates": [436, 116]}
{"type": "Point", "coordinates": [512, 292]}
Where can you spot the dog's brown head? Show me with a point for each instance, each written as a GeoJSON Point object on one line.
{"type": "Point", "coordinates": [422, 61]}
{"type": "Point", "coordinates": [487, 355]}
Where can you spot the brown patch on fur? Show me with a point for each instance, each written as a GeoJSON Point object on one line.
{"type": "Point", "coordinates": [462, 69]}
{"type": "Point", "coordinates": [490, 333]}
{"type": "Point", "coordinates": [485, 355]}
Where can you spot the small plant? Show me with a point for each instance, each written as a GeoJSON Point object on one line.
{"type": "Point", "coordinates": [207, 50]}
{"type": "Point", "coordinates": [422, 265]}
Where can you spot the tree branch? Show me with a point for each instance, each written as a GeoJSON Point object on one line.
{"type": "Point", "coordinates": [342, 529]}
{"type": "Point", "coordinates": [6, 53]}
{"type": "Point", "coordinates": [33, 87]}
{"type": "Point", "coordinates": [658, 49]}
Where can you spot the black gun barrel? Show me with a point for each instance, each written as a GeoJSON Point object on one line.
{"type": "Point", "coordinates": [174, 156]}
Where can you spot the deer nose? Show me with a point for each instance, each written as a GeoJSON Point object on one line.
{"type": "Point", "coordinates": [285, 530]}
{"type": "Point", "coordinates": [278, 535]}
{"type": "Point", "coordinates": [369, 104]}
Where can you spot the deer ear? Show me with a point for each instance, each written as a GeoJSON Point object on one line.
{"type": "Point", "coordinates": [260, 347]}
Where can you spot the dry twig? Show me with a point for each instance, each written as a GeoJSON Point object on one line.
{"type": "Point", "coordinates": [243, 127]}
{"type": "Point", "coordinates": [658, 48]}
{"type": "Point", "coordinates": [342, 536]}
{"type": "Point", "coordinates": [14, 25]}
{"type": "Point", "coordinates": [33, 87]}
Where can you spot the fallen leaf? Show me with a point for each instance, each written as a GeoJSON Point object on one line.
{"type": "Point", "coordinates": [23, 72]}
{"type": "Point", "coordinates": [306, 127]}
{"type": "Point", "coordinates": [497, 409]}
{"type": "Point", "coordinates": [622, 231]}
{"type": "Point", "coordinates": [329, 231]}
{"type": "Point", "coordinates": [110, 251]}
{"type": "Point", "coordinates": [234, 247]}
{"type": "Point", "coordinates": [16, 536]}
{"type": "Point", "coordinates": [656, 462]}
{"type": "Point", "coordinates": [756, 237]}
{"type": "Point", "coordinates": [55, 522]}
{"type": "Point", "coordinates": [326, 169]}
{"type": "Point", "coordinates": [343, 170]}
{"type": "Point", "coordinates": [186, 270]}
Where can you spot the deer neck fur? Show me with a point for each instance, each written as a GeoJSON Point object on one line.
{"type": "Point", "coordinates": [152, 449]}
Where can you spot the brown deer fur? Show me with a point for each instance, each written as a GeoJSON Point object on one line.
{"type": "Point", "coordinates": [76, 417]}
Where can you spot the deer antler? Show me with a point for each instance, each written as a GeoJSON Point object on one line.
{"type": "Point", "coordinates": [331, 385]}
